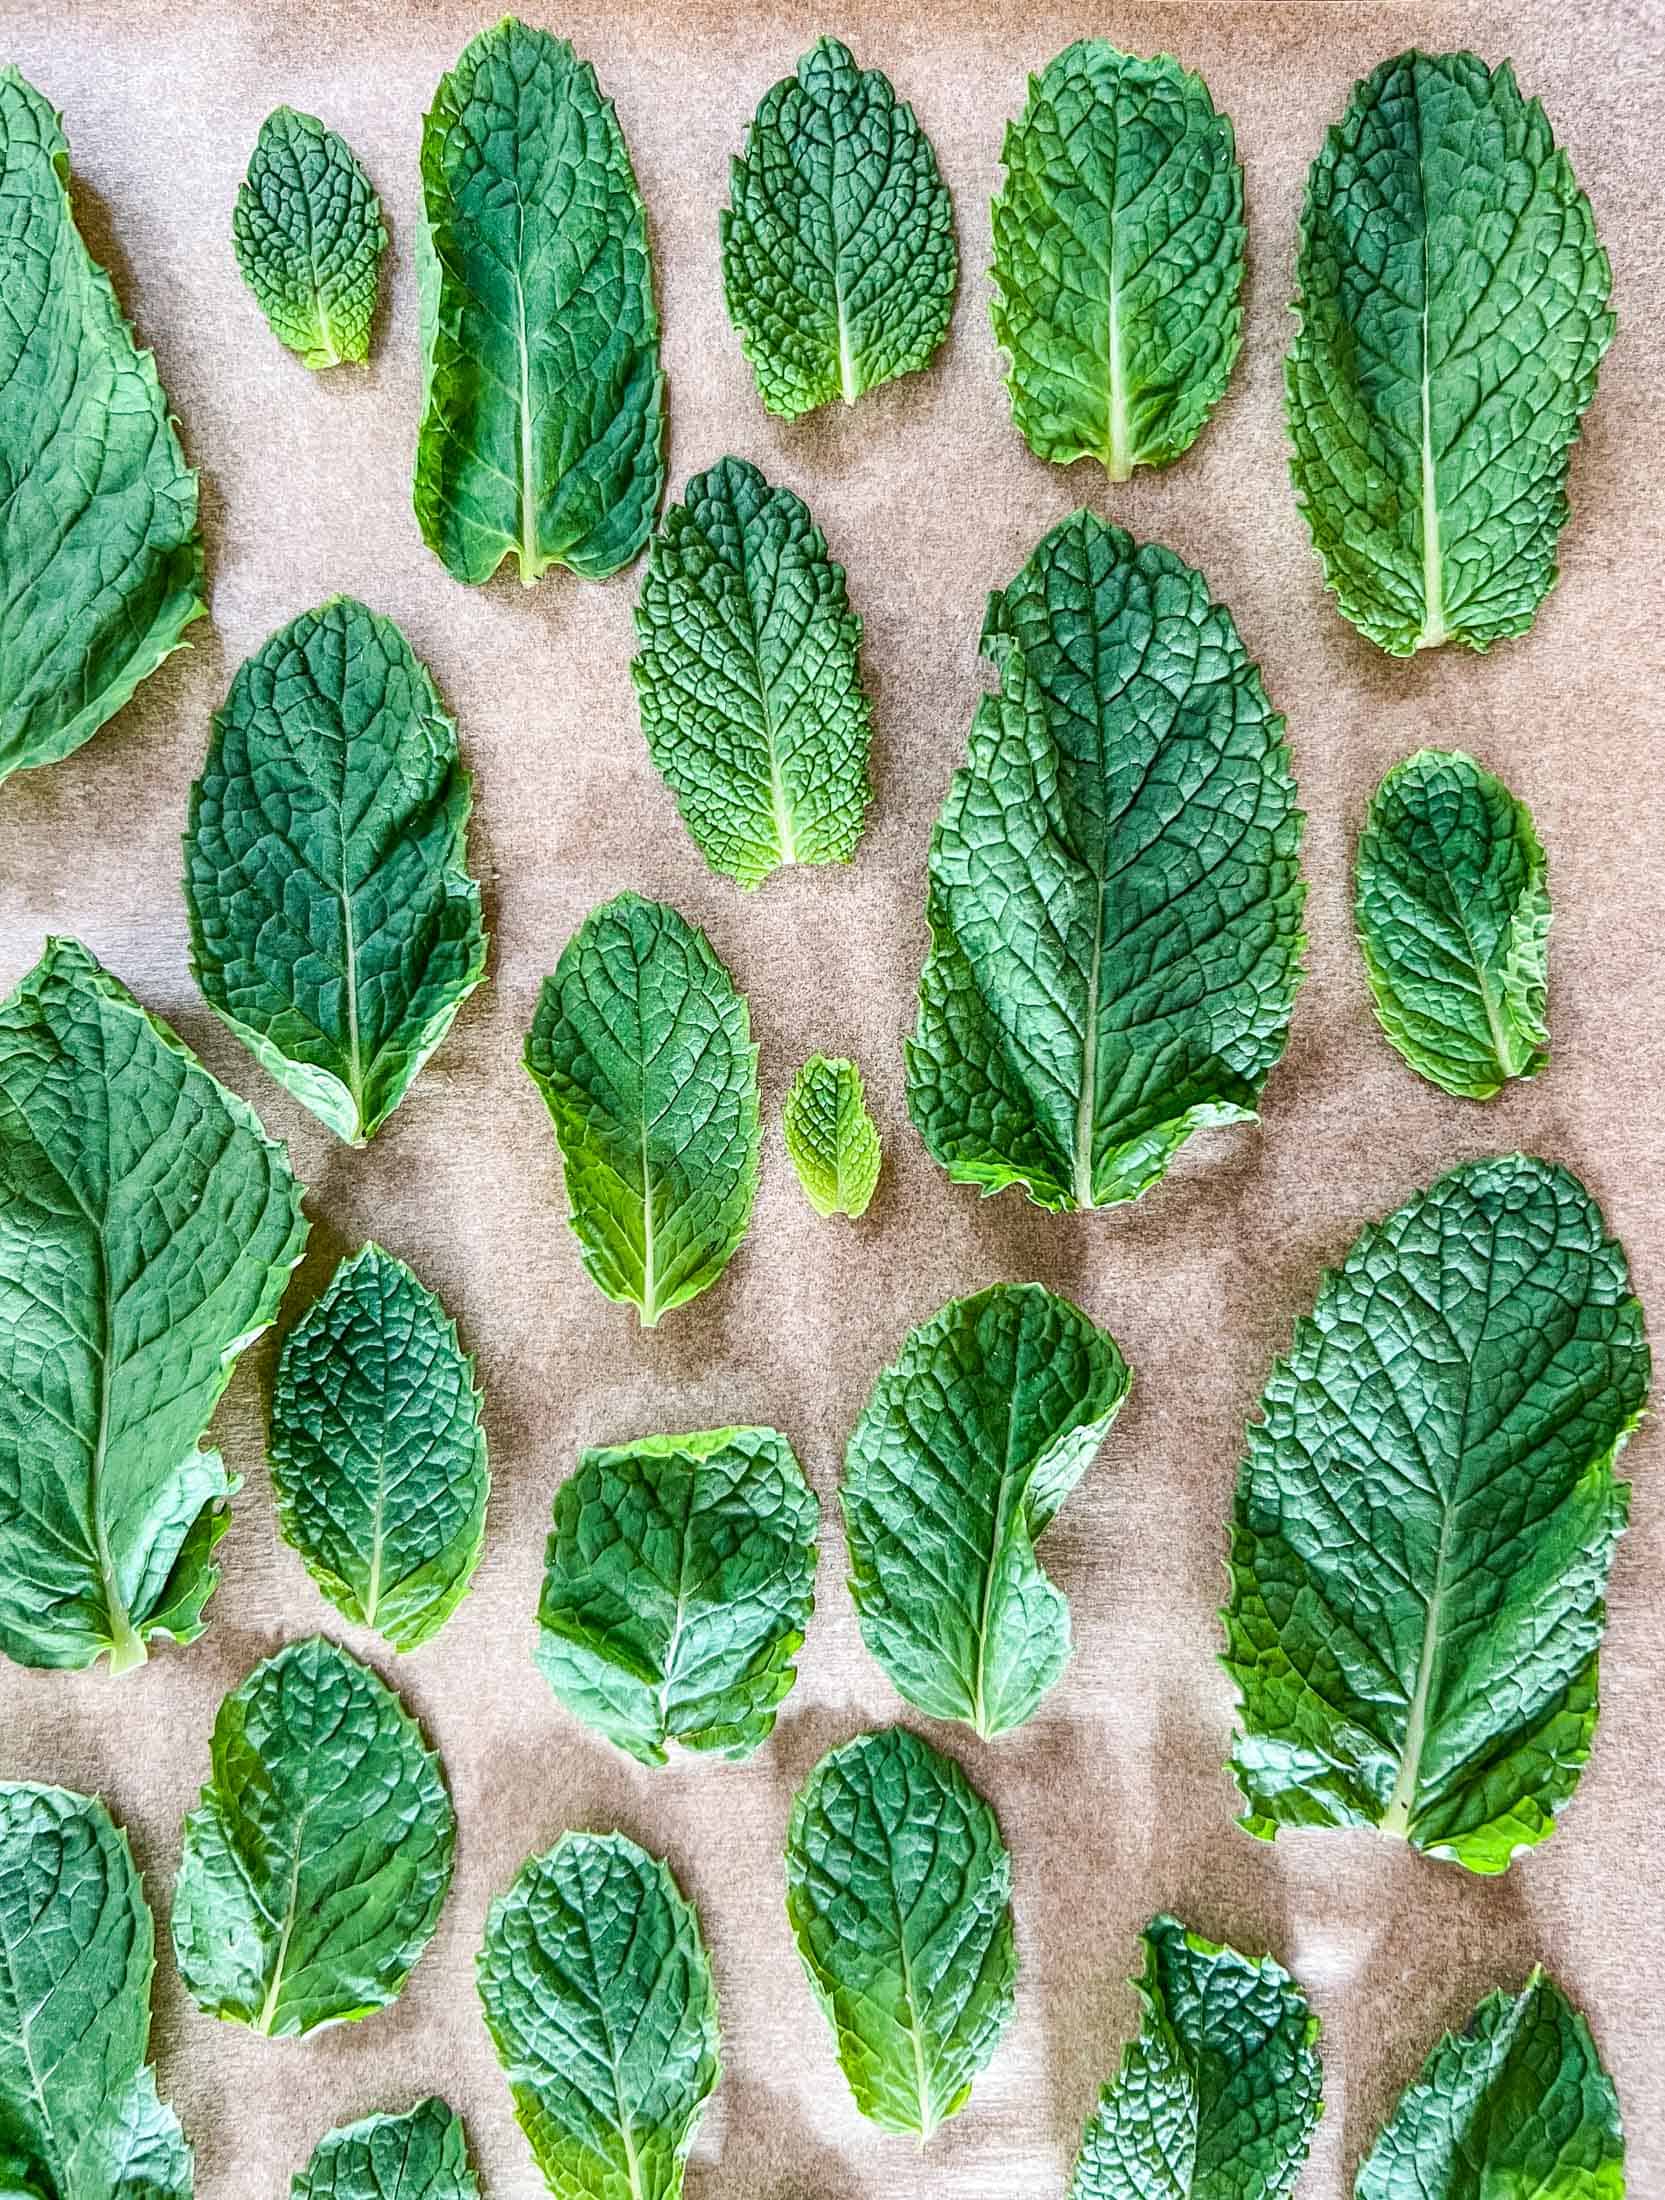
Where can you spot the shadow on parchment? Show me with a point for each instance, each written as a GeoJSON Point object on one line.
{"type": "Point", "coordinates": [753, 2163]}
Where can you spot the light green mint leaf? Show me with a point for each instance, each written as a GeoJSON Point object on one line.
{"type": "Point", "coordinates": [974, 1436]}
{"type": "Point", "coordinates": [147, 1228]}
{"type": "Point", "coordinates": [1453, 314]}
{"type": "Point", "coordinates": [831, 1138]}
{"type": "Point", "coordinates": [1453, 919]}
{"type": "Point", "coordinates": [1114, 885]}
{"type": "Point", "coordinates": [598, 1996]}
{"type": "Point", "coordinates": [79, 2116]}
{"type": "Point", "coordinates": [543, 403]}
{"type": "Point", "coordinates": [898, 1890]}
{"type": "Point", "coordinates": [378, 1456]}
{"type": "Point", "coordinates": [1217, 2097]}
{"type": "Point", "coordinates": [679, 1579]}
{"type": "Point", "coordinates": [749, 680]}
{"type": "Point", "coordinates": [642, 1048]}
{"type": "Point", "coordinates": [1425, 1518]}
{"type": "Point", "coordinates": [1520, 2104]}
{"type": "Point", "coordinates": [100, 558]}
{"type": "Point", "coordinates": [1118, 259]}
{"type": "Point", "coordinates": [308, 233]}
{"type": "Point", "coordinates": [316, 1864]}
{"type": "Point", "coordinates": [422, 2155]}
{"type": "Point", "coordinates": [839, 262]}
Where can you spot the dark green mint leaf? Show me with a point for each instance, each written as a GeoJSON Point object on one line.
{"type": "Point", "coordinates": [422, 2155]}
{"type": "Point", "coordinates": [307, 229]}
{"type": "Point", "coordinates": [831, 1138]}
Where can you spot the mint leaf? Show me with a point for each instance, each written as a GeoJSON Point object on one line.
{"type": "Point", "coordinates": [334, 926]}
{"type": "Point", "coordinates": [831, 1138]}
{"type": "Point", "coordinates": [79, 2116]}
{"type": "Point", "coordinates": [642, 1049]}
{"type": "Point", "coordinates": [308, 233]}
{"type": "Point", "coordinates": [1217, 2097]}
{"type": "Point", "coordinates": [597, 1994]}
{"type": "Point", "coordinates": [422, 2155]}
{"type": "Point", "coordinates": [1114, 891]}
{"type": "Point", "coordinates": [316, 1864]}
{"type": "Point", "coordinates": [898, 1891]}
{"type": "Point", "coordinates": [748, 678]}
{"type": "Point", "coordinates": [974, 1436]}
{"type": "Point", "coordinates": [1453, 917]}
{"type": "Point", "coordinates": [1425, 1518]}
{"type": "Point", "coordinates": [678, 1581]}
{"type": "Point", "coordinates": [839, 262]}
{"type": "Point", "coordinates": [543, 403]}
{"type": "Point", "coordinates": [100, 558]}
{"type": "Point", "coordinates": [1453, 314]}
{"type": "Point", "coordinates": [147, 1228]}
{"type": "Point", "coordinates": [378, 1456]}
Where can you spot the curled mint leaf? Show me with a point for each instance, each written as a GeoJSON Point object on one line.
{"type": "Point", "coordinates": [309, 237]}
{"type": "Point", "coordinates": [830, 1137]}
{"type": "Point", "coordinates": [422, 2155]}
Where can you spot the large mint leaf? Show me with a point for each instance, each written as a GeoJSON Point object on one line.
{"type": "Point", "coordinates": [422, 2155]}
{"type": "Point", "coordinates": [831, 1139]}
{"type": "Point", "coordinates": [1425, 1518]}
{"type": "Point", "coordinates": [308, 233]}
{"type": "Point", "coordinates": [147, 1229]}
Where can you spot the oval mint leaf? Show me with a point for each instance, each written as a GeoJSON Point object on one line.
{"type": "Point", "coordinates": [1425, 1518]}
{"type": "Point", "coordinates": [830, 1137]}
{"type": "Point", "coordinates": [422, 2155]}
{"type": "Point", "coordinates": [308, 233]}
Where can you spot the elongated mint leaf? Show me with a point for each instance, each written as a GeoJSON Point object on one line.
{"type": "Point", "coordinates": [147, 1228]}
{"type": "Point", "coordinates": [678, 1581]}
{"type": "Point", "coordinates": [79, 2116]}
{"type": "Point", "coordinates": [334, 926]}
{"type": "Point", "coordinates": [1217, 2097]}
{"type": "Point", "coordinates": [748, 678]}
{"type": "Point", "coordinates": [1453, 314]}
{"type": "Point", "coordinates": [831, 1138]}
{"type": "Point", "coordinates": [308, 232]}
{"type": "Point", "coordinates": [100, 558]}
{"type": "Point", "coordinates": [642, 1048]}
{"type": "Point", "coordinates": [598, 1997]}
{"type": "Point", "coordinates": [1114, 886]}
{"type": "Point", "coordinates": [422, 2155]}
{"type": "Point", "coordinates": [1118, 259]}
{"type": "Point", "coordinates": [1453, 916]}
{"type": "Point", "coordinates": [973, 1437]}
{"type": "Point", "coordinates": [839, 262]}
{"type": "Point", "coordinates": [898, 1891]}
{"type": "Point", "coordinates": [543, 403]}
{"type": "Point", "coordinates": [316, 1864]}
{"type": "Point", "coordinates": [1425, 1518]}
{"type": "Point", "coordinates": [378, 1456]}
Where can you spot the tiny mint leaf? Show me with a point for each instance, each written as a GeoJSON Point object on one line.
{"type": "Point", "coordinates": [831, 1138]}
{"type": "Point", "coordinates": [308, 233]}
{"type": "Point", "coordinates": [422, 2155]}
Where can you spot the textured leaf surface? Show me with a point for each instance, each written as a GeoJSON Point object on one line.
{"type": "Point", "coordinates": [308, 232]}
{"type": "Point", "coordinates": [378, 1456]}
{"type": "Point", "coordinates": [1453, 314]}
{"type": "Point", "coordinates": [79, 2116]}
{"type": "Point", "coordinates": [839, 262]}
{"type": "Point", "coordinates": [334, 926]}
{"type": "Point", "coordinates": [1118, 259]}
{"type": "Point", "coordinates": [100, 559]}
{"type": "Point", "coordinates": [831, 1138]}
{"type": "Point", "coordinates": [147, 1229]}
{"type": "Point", "coordinates": [1114, 890]}
{"type": "Point", "coordinates": [897, 1888]}
{"type": "Point", "coordinates": [317, 1861]}
{"type": "Point", "coordinates": [422, 2155]}
{"type": "Point", "coordinates": [598, 1996]}
{"type": "Point", "coordinates": [974, 1436]}
{"type": "Point", "coordinates": [642, 1048]}
{"type": "Point", "coordinates": [542, 398]}
{"type": "Point", "coordinates": [1452, 910]}
{"type": "Point", "coordinates": [1425, 1518]}
{"type": "Point", "coordinates": [749, 680]}
{"type": "Point", "coordinates": [678, 1581]}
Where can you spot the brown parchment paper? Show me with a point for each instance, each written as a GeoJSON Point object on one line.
{"type": "Point", "coordinates": [1112, 1799]}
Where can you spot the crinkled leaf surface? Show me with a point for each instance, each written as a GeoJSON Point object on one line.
{"type": "Point", "coordinates": [1118, 259]}
{"type": "Point", "coordinates": [147, 1229]}
{"type": "Point", "coordinates": [1452, 908]}
{"type": "Point", "coordinates": [749, 679]}
{"type": "Point", "coordinates": [100, 558]}
{"type": "Point", "coordinates": [642, 1048]}
{"type": "Point", "coordinates": [422, 2155]}
{"type": "Point", "coordinates": [839, 262]}
{"type": "Point", "coordinates": [334, 925]}
{"type": "Point", "coordinates": [542, 397]}
{"type": "Point", "coordinates": [316, 1863]}
{"type": "Point", "coordinates": [308, 232]}
{"type": "Point", "coordinates": [678, 1581]}
{"type": "Point", "coordinates": [973, 1437]}
{"type": "Point", "coordinates": [1425, 1518]}
{"type": "Point", "coordinates": [831, 1138]}
{"type": "Point", "coordinates": [1114, 887]}
{"type": "Point", "coordinates": [1453, 314]}
{"type": "Point", "coordinates": [79, 2116]}
{"type": "Point", "coordinates": [898, 1890]}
